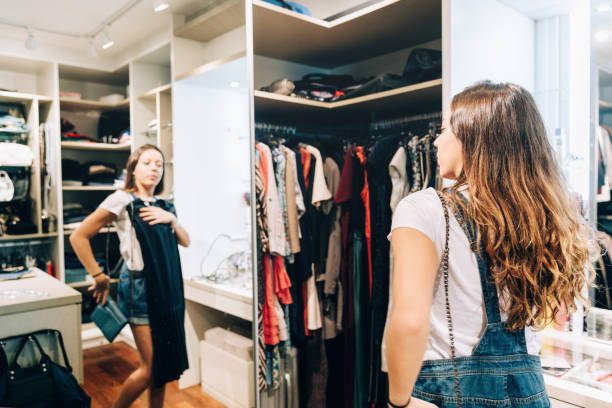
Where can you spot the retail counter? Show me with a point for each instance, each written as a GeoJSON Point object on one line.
{"type": "Point", "coordinates": [39, 301]}
{"type": "Point", "coordinates": [201, 296]}
{"type": "Point", "coordinates": [577, 369]}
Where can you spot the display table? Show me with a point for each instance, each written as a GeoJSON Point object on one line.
{"type": "Point", "coordinates": [578, 361]}
{"type": "Point", "coordinates": [208, 305]}
{"type": "Point", "coordinates": [39, 301]}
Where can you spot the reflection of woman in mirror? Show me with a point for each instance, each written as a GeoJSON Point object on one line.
{"type": "Point", "coordinates": [482, 265]}
{"type": "Point", "coordinates": [150, 288]}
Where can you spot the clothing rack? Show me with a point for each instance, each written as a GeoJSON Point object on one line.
{"type": "Point", "coordinates": [402, 121]}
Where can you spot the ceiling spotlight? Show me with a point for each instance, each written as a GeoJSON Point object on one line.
{"type": "Point", "coordinates": [30, 42]}
{"type": "Point", "coordinates": [234, 84]}
{"type": "Point", "coordinates": [91, 49]}
{"type": "Point", "coordinates": [159, 5]}
{"type": "Point", "coordinates": [106, 41]}
{"type": "Point", "coordinates": [603, 8]}
{"type": "Point", "coordinates": [601, 36]}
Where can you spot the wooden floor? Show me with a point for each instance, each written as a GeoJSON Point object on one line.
{"type": "Point", "coordinates": [106, 368]}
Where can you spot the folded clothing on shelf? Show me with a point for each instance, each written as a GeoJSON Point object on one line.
{"type": "Point", "coordinates": [99, 173]}
{"type": "Point", "coordinates": [15, 154]}
{"type": "Point", "coordinates": [12, 118]}
{"type": "Point", "coordinates": [421, 65]}
{"type": "Point", "coordinates": [69, 134]}
{"type": "Point", "coordinates": [11, 124]}
{"type": "Point", "coordinates": [75, 272]}
{"type": "Point", "coordinates": [72, 170]}
{"type": "Point", "coordinates": [74, 212]}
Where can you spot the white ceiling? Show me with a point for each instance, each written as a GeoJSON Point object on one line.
{"type": "Point", "coordinates": [80, 17]}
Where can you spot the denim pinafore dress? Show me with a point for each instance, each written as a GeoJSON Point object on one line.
{"type": "Point", "coordinates": [499, 373]}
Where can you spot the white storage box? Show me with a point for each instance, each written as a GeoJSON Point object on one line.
{"type": "Point", "coordinates": [112, 98]}
{"type": "Point", "coordinates": [227, 378]}
{"type": "Point", "coordinates": [237, 345]}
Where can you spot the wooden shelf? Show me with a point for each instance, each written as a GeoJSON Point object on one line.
{"type": "Point", "coordinates": [214, 22]}
{"type": "Point", "coordinates": [90, 188]}
{"type": "Point", "coordinates": [27, 236]}
{"type": "Point", "coordinates": [209, 66]}
{"type": "Point", "coordinates": [22, 97]}
{"type": "Point", "coordinates": [381, 28]}
{"type": "Point", "coordinates": [96, 146]}
{"type": "Point", "coordinates": [79, 104]}
{"type": "Point", "coordinates": [605, 105]}
{"type": "Point", "coordinates": [160, 89]}
{"type": "Point", "coordinates": [423, 94]}
{"type": "Point", "coordinates": [85, 283]}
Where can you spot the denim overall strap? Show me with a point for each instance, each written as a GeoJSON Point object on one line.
{"type": "Point", "coordinates": [489, 289]}
{"type": "Point", "coordinates": [496, 339]}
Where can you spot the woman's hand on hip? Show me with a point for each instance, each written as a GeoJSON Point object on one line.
{"type": "Point", "coordinates": [100, 288]}
{"type": "Point", "coordinates": [155, 215]}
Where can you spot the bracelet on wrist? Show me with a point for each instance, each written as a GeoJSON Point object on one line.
{"type": "Point", "coordinates": [399, 406]}
{"type": "Point", "coordinates": [97, 274]}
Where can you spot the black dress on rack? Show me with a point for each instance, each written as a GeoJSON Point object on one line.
{"type": "Point", "coordinates": [165, 293]}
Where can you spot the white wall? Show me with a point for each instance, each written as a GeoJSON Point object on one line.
{"type": "Point", "coordinates": [211, 156]}
{"type": "Point", "coordinates": [489, 40]}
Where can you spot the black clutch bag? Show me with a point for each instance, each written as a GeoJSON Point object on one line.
{"type": "Point", "coordinates": [109, 319]}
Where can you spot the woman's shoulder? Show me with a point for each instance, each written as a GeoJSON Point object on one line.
{"type": "Point", "coordinates": [116, 201]}
{"type": "Point", "coordinates": [424, 199]}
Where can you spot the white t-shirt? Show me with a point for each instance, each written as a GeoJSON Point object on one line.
{"type": "Point", "coordinates": [423, 211]}
{"type": "Point", "coordinates": [128, 242]}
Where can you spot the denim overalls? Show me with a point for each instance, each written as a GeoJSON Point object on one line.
{"type": "Point", "coordinates": [499, 373]}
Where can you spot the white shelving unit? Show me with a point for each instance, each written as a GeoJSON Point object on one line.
{"type": "Point", "coordinates": [33, 85]}
{"type": "Point", "coordinates": [426, 93]}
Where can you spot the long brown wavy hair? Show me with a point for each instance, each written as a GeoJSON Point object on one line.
{"type": "Point", "coordinates": [130, 182]}
{"type": "Point", "coordinates": [526, 219]}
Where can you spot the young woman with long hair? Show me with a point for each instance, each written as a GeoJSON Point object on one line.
{"type": "Point", "coordinates": [147, 227]}
{"type": "Point", "coordinates": [481, 266]}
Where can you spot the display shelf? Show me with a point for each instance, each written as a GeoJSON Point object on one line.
{"type": "Point", "coordinates": [151, 94]}
{"type": "Point", "coordinates": [214, 22]}
{"type": "Point", "coordinates": [209, 66]}
{"type": "Point", "coordinates": [424, 93]}
{"type": "Point", "coordinates": [102, 231]}
{"type": "Point", "coordinates": [378, 29]}
{"type": "Point", "coordinates": [87, 282]}
{"type": "Point", "coordinates": [605, 105]}
{"type": "Point", "coordinates": [96, 146]}
{"type": "Point", "coordinates": [75, 104]}
{"type": "Point", "coordinates": [22, 97]}
{"type": "Point", "coordinates": [28, 236]}
{"type": "Point", "coordinates": [90, 188]}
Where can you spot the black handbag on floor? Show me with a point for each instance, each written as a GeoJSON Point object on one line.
{"type": "Point", "coordinates": [46, 384]}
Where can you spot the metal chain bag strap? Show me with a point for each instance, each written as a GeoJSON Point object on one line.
{"type": "Point", "coordinates": [444, 269]}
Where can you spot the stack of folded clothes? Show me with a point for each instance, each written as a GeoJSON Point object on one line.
{"type": "Point", "coordinates": [75, 271]}
{"type": "Point", "coordinates": [74, 213]}
{"type": "Point", "coordinates": [13, 127]}
{"type": "Point", "coordinates": [91, 173]}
